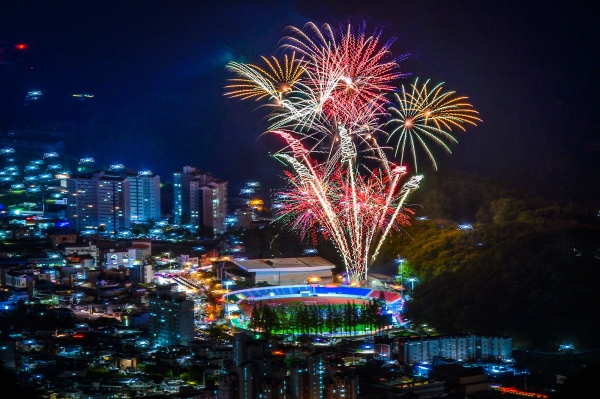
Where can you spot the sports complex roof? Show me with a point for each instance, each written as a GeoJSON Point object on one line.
{"type": "Point", "coordinates": [306, 264]}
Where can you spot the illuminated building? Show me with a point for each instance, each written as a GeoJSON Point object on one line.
{"type": "Point", "coordinates": [260, 371]}
{"type": "Point", "coordinates": [144, 197]}
{"type": "Point", "coordinates": [130, 256]}
{"type": "Point", "coordinates": [171, 318]}
{"type": "Point", "coordinates": [306, 379]}
{"type": "Point", "coordinates": [463, 347]}
{"type": "Point", "coordinates": [341, 385]}
{"type": "Point", "coordinates": [280, 271]}
{"type": "Point", "coordinates": [98, 200]}
{"type": "Point", "coordinates": [82, 249]}
{"type": "Point", "coordinates": [200, 199]}
{"type": "Point", "coordinates": [140, 273]}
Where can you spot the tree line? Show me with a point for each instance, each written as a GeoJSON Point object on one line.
{"type": "Point", "coordinates": [313, 319]}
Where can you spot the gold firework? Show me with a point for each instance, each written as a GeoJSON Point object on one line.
{"type": "Point", "coordinates": [428, 115]}
{"type": "Point", "coordinates": [274, 81]}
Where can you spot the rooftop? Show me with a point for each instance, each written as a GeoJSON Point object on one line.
{"type": "Point", "coordinates": [285, 264]}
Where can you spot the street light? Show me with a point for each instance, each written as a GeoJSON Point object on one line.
{"type": "Point", "coordinates": [227, 284]}
{"type": "Point", "coordinates": [412, 281]}
{"type": "Point", "coordinates": [401, 261]}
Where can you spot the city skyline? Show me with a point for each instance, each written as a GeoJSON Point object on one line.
{"type": "Point", "coordinates": [157, 81]}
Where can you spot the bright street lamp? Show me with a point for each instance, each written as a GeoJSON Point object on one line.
{"type": "Point", "coordinates": [412, 281]}
{"type": "Point", "coordinates": [401, 261]}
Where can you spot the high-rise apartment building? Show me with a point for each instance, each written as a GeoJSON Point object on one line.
{"type": "Point", "coordinates": [199, 199]}
{"type": "Point", "coordinates": [172, 318]}
{"type": "Point", "coordinates": [144, 197]}
{"type": "Point", "coordinates": [98, 200]}
{"type": "Point", "coordinates": [462, 347]}
{"type": "Point", "coordinates": [261, 372]}
{"type": "Point", "coordinates": [341, 384]}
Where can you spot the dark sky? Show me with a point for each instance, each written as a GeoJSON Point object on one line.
{"type": "Point", "coordinates": [157, 70]}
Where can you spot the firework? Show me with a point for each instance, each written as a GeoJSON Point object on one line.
{"type": "Point", "coordinates": [357, 212]}
{"type": "Point", "coordinates": [329, 106]}
{"type": "Point", "coordinates": [275, 81]}
{"type": "Point", "coordinates": [428, 115]}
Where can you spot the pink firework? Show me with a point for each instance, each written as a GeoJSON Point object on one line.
{"type": "Point", "coordinates": [359, 61]}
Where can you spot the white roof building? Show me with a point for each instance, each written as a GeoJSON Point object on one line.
{"type": "Point", "coordinates": [283, 271]}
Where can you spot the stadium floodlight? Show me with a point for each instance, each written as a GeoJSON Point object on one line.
{"type": "Point", "coordinates": [54, 167]}
{"type": "Point", "coordinates": [310, 251]}
{"type": "Point", "coordinates": [18, 186]}
{"type": "Point", "coordinates": [34, 190]}
{"type": "Point", "coordinates": [45, 176]}
{"type": "Point", "coordinates": [117, 166]}
{"type": "Point", "coordinates": [50, 154]}
{"type": "Point", "coordinates": [37, 162]}
{"type": "Point", "coordinates": [7, 151]}
{"type": "Point", "coordinates": [31, 167]}
{"type": "Point", "coordinates": [31, 178]}
{"type": "Point", "coordinates": [11, 168]}
{"type": "Point", "coordinates": [247, 190]}
{"type": "Point", "coordinates": [87, 160]}
{"type": "Point", "coordinates": [253, 184]}
{"type": "Point", "coordinates": [465, 226]}
{"type": "Point", "coordinates": [144, 173]}
{"type": "Point", "coordinates": [7, 178]}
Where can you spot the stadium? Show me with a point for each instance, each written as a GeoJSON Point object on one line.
{"type": "Point", "coordinates": [290, 299]}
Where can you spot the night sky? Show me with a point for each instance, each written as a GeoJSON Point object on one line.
{"type": "Point", "coordinates": [157, 70]}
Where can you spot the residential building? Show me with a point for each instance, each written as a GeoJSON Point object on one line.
{"type": "Point", "coordinates": [171, 318]}
{"type": "Point", "coordinates": [341, 383]}
{"type": "Point", "coordinates": [132, 255]}
{"type": "Point", "coordinates": [463, 348]}
{"type": "Point", "coordinates": [261, 372]}
{"type": "Point", "coordinates": [61, 235]}
{"type": "Point", "coordinates": [200, 199]}
{"type": "Point", "coordinates": [141, 273]}
{"type": "Point", "coordinates": [144, 197]}
{"type": "Point", "coordinates": [83, 249]}
{"type": "Point", "coordinates": [98, 200]}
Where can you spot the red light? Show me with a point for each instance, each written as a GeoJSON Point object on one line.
{"type": "Point", "coordinates": [21, 46]}
{"type": "Point", "coordinates": [79, 336]}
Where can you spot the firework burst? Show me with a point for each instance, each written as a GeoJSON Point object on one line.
{"type": "Point", "coordinates": [274, 81]}
{"type": "Point", "coordinates": [428, 115]}
{"type": "Point", "coordinates": [329, 107]}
